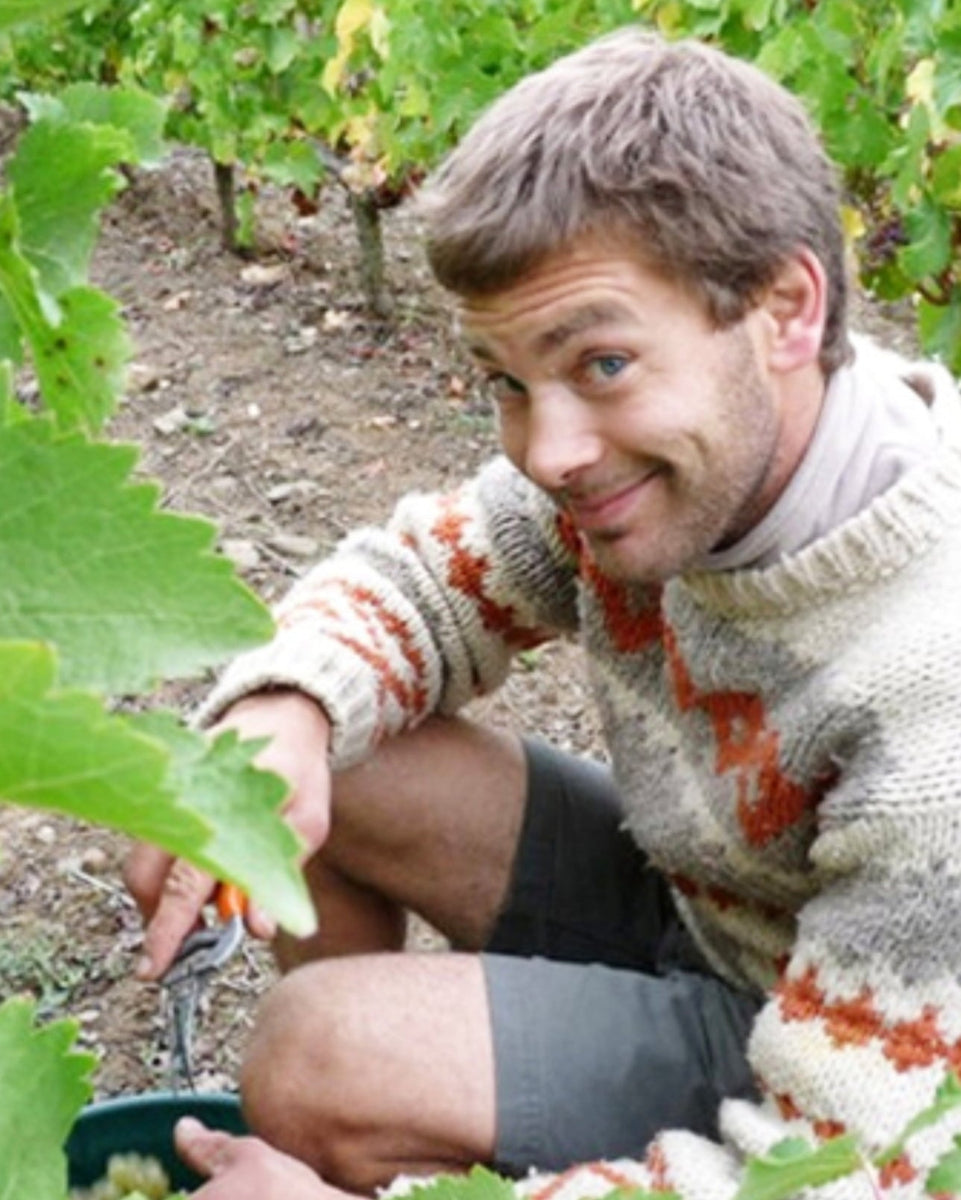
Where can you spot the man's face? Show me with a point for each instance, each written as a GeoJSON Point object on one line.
{"type": "Point", "coordinates": [657, 433]}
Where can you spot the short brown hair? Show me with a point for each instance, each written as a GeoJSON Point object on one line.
{"type": "Point", "coordinates": [711, 168]}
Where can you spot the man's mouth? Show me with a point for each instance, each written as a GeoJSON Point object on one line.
{"type": "Point", "coordinates": [605, 509]}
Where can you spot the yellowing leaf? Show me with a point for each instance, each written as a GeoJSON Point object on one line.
{"type": "Point", "coordinates": [380, 32]}
{"type": "Point", "coordinates": [361, 134]}
{"type": "Point", "coordinates": [333, 71]}
{"type": "Point", "coordinates": [352, 17]}
{"type": "Point", "coordinates": [919, 87]}
{"type": "Point", "coordinates": [669, 18]}
{"type": "Point", "coordinates": [852, 223]}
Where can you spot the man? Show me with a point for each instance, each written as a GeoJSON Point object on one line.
{"type": "Point", "coordinates": [754, 528]}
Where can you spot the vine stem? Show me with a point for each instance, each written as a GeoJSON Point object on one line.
{"type": "Point", "coordinates": [869, 1169]}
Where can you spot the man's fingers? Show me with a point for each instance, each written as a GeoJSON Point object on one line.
{"type": "Point", "coordinates": [259, 923]}
{"type": "Point", "coordinates": [185, 891]}
{"type": "Point", "coordinates": [206, 1151]}
{"type": "Point", "coordinates": [144, 871]}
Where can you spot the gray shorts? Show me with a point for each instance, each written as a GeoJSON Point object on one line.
{"type": "Point", "coordinates": [608, 1025]}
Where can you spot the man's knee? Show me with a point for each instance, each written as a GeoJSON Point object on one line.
{"type": "Point", "coordinates": [364, 1067]}
{"type": "Point", "coordinates": [298, 1078]}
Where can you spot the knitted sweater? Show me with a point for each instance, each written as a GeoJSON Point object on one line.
{"type": "Point", "coordinates": [788, 744]}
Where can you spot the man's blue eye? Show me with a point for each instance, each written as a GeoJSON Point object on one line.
{"type": "Point", "coordinates": [609, 365]}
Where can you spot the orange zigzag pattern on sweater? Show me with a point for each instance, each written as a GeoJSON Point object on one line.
{"type": "Point", "coordinates": [858, 1022]}
{"type": "Point", "coordinates": [467, 572]}
{"type": "Point", "coordinates": [603, 1171]}
{"type": "Point", "coordinates": [768, 802]}
{"type": "Point", "coordinates": [378, 622]}
{"type": "Point", "coordinates": [825, 1129]}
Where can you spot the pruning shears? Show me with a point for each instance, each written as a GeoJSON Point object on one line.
{"type": "Point", "coordinates": [201, 956]}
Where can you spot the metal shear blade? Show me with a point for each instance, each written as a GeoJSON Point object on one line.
{"type": "Point", "coordinates": [202, 954]}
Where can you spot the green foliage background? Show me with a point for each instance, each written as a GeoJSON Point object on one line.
{"type": "Point", "coordinates": [389, 85]}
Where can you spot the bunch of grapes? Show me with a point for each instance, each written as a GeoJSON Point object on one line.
{"type": "Point", "coordinates": [129, 1177]}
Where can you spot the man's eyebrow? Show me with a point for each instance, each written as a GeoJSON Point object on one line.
{"type": "Point", "coordinates": [581, 319]}
{"type": "Point", "coordinates": [586, 317]}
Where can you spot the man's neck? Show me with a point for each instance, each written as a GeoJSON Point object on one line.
{"type": "Point", "coordinates": [872, 426]}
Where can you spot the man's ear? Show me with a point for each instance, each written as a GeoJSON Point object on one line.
{"type": "Point", "coordinates": [796, 307]}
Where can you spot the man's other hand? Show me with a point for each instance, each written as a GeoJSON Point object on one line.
{"type": "Point", "coordinates": [245, 1168]}
{"type": "Point", "coordinates": [171, 893]}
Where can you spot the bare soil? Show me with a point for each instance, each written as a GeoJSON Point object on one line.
{"type": "Point", "coordinates": [265, 397]}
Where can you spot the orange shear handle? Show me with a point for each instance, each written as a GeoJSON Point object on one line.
{"type": "Point", "coordinates": [230, 901]}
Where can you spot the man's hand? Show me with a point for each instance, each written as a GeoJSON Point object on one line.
{"type": "Point", "coordinates": [245, 1168]}
{"type": "Point", "coordinates": [170, 892]}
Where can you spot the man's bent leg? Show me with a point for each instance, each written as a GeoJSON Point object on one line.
{"type": "Point", "coordinates": [592, 1062]}
{"type": "Point", "coordinates": [373, 1066]}
{"type": "Point", "coordinates": [589, 1061]}
{"type": "Point", "coordinates": [429, 823]}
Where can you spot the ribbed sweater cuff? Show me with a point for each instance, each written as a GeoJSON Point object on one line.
{"type": "Point", "coordinates": [319, 667]}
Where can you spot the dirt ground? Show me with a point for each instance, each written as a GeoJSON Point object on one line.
{"type": "Point", "coordinates": [266, 399]}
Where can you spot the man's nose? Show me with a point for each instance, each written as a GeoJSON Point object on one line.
{"type": "Point", "coordinates": [562, 439]}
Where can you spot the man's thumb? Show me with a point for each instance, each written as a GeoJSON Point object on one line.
{"type": "Point", "coordinates": [207, 1151]}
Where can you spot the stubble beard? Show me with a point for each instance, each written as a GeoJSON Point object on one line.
{"type": "Point", "coordinates": [719, 510]}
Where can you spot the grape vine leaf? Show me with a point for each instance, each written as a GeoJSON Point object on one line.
{"type": "Point", "coordinates": [945, 1178]}
{"type": "Point", "coordinates": [946, 1099]}
{"type": "Point", "coordinates": [81, 363]}
{"type": "Point", "coordinates": [19, 12]}
{"type": "Point", "coordinates": [43, 1077]}
{"type": "Point", "coordinates": [128, 594]}
{"type": "Point", "coordinates": [478, 1184]}
{"type": "Point", "coordinates": [639, 1193]}
{"type": "Point", "coordinates": [80, 346]}
{"type": "Point", "coordinates": [139, 114]}
{"type": "Point", "coordinates": [146, 777]}
{"type": "Point", "coordinates": [940, 326]}
{"type": "Point", "coordinates": [929, 250]}
{"type": "Point", "coordinates": [793, 1165]}
{"type": "Point", "coordinates": [63, 174]}
{"type": "Point", "coordinates": [250, 845]}
{"type": "Point", "coordinates": [64, 752]}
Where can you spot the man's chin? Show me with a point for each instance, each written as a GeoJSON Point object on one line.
{"type": "Point", "coordinates": [617, 559]}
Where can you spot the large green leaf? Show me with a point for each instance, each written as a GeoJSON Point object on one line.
{"type": "Point", "coordinates": [149, 777]}
{"type": "Point", "coordinates": [45, 1085]}
{"type": "Point", "coordinates": [63, 174]}
{"type": "Point", "coordinates": [80, 346]}
{"type": "Point", "coordinates": [128, 594]}
{"type": "Point", "coordinates": [63, 752]}
{"type": "Point", "coordinates": [131, 109]}
{"type": "Point", "coordinates": [250, 845]}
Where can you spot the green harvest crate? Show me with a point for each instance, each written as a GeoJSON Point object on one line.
{"type": "Point", "coordinates": [144, 1124]}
